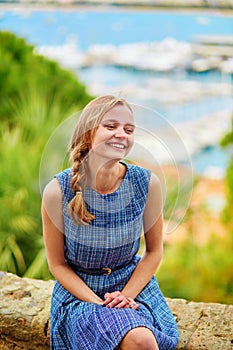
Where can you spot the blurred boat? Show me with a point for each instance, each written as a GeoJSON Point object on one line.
{"type": "Point", "coordinates": [164, 56]}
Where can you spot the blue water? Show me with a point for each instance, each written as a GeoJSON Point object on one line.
{"type": "Point", "coordinates": [116, 26]}
{"type": "Point", "coordinates": [212, 157]}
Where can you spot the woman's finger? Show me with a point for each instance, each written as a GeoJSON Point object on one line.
{"type": "Point", "coordinates": [109, 297]}
{"type": "Point", "coordinates": [132, 304]}
{"type": "Point", "coordinates": [114, 302]}
{"type": "Point", "coordinates": [116, 299]}
{"type": "Point", "coordinates": [122, 304]}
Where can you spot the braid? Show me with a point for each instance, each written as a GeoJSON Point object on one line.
{"type": "Point", "coordinates": [77, 206]}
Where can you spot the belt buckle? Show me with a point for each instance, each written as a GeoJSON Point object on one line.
{"type": "Point", "coordinates": [106, 271]}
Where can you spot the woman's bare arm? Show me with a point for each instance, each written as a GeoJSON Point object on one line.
{"type": "Point", "coordinates": [54, 244]}
{"type": "Point", "coordinates": [153, 231]}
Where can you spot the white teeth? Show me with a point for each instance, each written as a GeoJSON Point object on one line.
{"type": "Point", "coordinates": [117, 145]}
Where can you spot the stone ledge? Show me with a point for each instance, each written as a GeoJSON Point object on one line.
{"type": "Point", "coordinates": [24, 318]}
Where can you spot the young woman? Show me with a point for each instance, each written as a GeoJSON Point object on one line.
{"type": "Point", "coordinates": [105, 295]}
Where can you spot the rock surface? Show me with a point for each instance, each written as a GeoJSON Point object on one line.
{"type": "Point", "coordinates": [24, 318]}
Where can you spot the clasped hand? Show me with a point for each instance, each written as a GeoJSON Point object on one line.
{"type": "Point", "coordinates": [118, 300]}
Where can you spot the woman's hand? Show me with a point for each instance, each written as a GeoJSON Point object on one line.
{"type": "Point", "coordinates": [118, 300]}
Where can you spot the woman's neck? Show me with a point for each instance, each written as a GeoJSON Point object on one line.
{"type": "Point", "coordinates": [106, 178]}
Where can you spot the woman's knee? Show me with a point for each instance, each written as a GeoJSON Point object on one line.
{"type": "Point", "coordinates": [140, 338]}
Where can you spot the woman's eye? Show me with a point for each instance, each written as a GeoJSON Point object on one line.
{"type": "Point", "coordinates": [110, 127]}
{"type": "Point", "coordinates": [129, 131]}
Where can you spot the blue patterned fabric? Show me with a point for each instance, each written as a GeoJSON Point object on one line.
{"type": "Point", "coordinates": [110, 240]}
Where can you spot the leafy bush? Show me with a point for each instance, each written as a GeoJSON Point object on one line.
{"type": "Point", "coordinates": [227, 141]}
{"type": "Point", "coordinates": [36, 95]}
{"type": "Point", "coordinates": [198, 272]}
{"type": "Point", "coordinates": [22, 71]}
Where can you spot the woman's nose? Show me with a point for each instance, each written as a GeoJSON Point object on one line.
{"type": "Point", "coordinates": [120, 132]}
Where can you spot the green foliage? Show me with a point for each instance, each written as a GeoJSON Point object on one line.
{"type": "Point", "coordinates": [178, 196]}
{"type": "Point", "coordinates": [227, 214]}
{"type": "Point", "coordinates": [36, 95]}
{"type": "Point", "coordinates": [22, 72]}
{"type": "Point", "coordinates": [227, 141]}
{"type": "Point", "coordinates": [198, 272]}
{"type": "Point", "coordinates": [228, 138]}
{"type": "Point", "coordinates": [19, 201]}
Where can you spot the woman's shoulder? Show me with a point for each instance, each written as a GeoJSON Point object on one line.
{"type": "Point", "coordinates": [52, 192]}
{"type": "Point", "coordinates": [137, 171]}
{"type": "Point", "coordinates": [57, 184]}
{"type": "Point", "coordinates": [64, 178]}
{"type": "Point", "coordinates": [66, 173]}
{"type": "Point", "coordinates": [139, 178]}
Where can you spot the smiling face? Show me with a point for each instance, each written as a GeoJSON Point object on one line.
{"type": "Point", "coordinates": [114, 136]}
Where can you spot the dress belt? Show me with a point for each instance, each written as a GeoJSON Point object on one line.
{"type": "Point", "coordinates": [105, 271]}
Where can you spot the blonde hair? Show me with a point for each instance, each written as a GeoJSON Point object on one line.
{"type": "Point", "coordinates": [81, 143]}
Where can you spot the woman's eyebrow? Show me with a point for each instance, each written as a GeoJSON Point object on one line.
{"type": "Point", "coordinates": [116, 121]}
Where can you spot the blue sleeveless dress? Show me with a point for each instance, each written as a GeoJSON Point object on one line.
{"type": "Point", "coordinates": [110, 240]}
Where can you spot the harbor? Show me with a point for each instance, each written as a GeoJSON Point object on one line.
{"type": "Point", "coordinates": [163, 56]}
